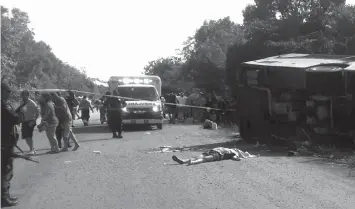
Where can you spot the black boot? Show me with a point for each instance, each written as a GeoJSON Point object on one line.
{"type": "Point", "coordinates": [119, 135]}
{"type": "Point", "coordinates": [114, 135]}
{"type": "Point", "coordinates": [7, 202]}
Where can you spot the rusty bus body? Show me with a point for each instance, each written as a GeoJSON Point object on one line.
{"type": "Point", "coordinates": [284, 94]}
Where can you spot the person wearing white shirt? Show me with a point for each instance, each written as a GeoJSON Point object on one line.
{"type": "Point", "coordinates": [31, 113]}
{"type": "Point", "coordinates": [185, 109]}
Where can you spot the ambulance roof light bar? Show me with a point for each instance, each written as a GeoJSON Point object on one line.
{"type": "Point", "coordinates": [135, 81]}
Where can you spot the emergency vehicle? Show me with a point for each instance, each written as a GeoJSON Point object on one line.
{"type": "Point", "coordinates": [142, 95]}
{"type": "Point", "coordinates": [281, 95]}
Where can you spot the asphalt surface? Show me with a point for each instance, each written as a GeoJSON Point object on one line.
{"type": "Point", "coordinates": [127, 173]}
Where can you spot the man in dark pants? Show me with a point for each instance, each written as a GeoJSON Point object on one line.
{"type": "Point", "coordinates": [172, 109]}
{"type": "Point", "coordinates": [114, 114]}
{"type": "Point", "coordinates": [9, 136]}
{"type": "Point", "coordinates": [72, 102]}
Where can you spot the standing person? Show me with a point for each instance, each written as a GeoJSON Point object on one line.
{"type": "Point", "coordinates": [65, 120]}
{"type": "Point", "coordinates": [185, 110]}
{"type": "Point", "coordinates": [60, 114]}
{"type": "Point", "coordinates": [72, 104]}
{"type": "Point", "coordinates": [179, 114]}
{"type": "Point", "coordinates": [85, 107]}
{"type": "Point", "coordinates": [59, 135]}
{"type": "Point", "coordinates": [50, 119]}
{"type": "Point", "coordinates": [31, 113]}
{"type": "Point", "coordinates": [102, 110]}
{"type": "Point", "coordinates": [172, 107]}
{"type": "Point", "coordinates": [9, 136]}
{"type": "Point", "coordinates": [114, 114]}
{"type": "Point", "coordinates": [162, 99]}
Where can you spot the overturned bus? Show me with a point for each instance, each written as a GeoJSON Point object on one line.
{"type": "Point", "coordinates": [297, 94]}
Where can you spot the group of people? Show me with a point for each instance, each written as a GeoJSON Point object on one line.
{"type": "Point", "coordinates": [175, 108]}
{"type": "Point", "coordinates": [57, 114]}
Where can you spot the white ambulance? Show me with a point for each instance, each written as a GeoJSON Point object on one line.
{"type": "Point", "coordinates": [142, 97]}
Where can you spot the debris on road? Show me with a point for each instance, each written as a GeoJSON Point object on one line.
{"type": "Point", "coordinates": [68, 161]}
{"type": "Point", "coordinates": [162, 149]}
{"type": "Point", "coordinates": [147, 133]}
{"type": "Point", "coordinates": [96, 152]}
{"type": "Point", "coordinates": [208, 124]}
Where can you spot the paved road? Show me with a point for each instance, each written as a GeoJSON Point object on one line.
{"type": "Point", "coordinates": [126, 175]}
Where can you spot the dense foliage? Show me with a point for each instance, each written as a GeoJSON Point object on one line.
{"type": "Point", "coordinates": [26, 63]}
{"type": "Point", "coordinates": [210, 58]}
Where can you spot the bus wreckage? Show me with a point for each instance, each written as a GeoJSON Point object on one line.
{"type": "Point", "coordinates": [308, 96]}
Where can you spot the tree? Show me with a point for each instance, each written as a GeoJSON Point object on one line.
{"type": "Point", "coordinates": [205, 53]}
{"type": "Point", "coordinates": [286, 26]}
{"type": "Point", "coordinates": [171, 72]}
{"type": "Point", "coordinates": [26, 63]}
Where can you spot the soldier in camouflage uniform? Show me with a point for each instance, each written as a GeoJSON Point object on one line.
{"type": "Point", "coordinates": [9, 137]}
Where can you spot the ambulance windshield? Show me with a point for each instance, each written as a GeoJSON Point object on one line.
{"type": "Point", "coordinates": [148, 93]}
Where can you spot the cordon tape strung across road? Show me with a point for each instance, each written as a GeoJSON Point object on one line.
{"type": "Point", "coordinates": [127, 98]}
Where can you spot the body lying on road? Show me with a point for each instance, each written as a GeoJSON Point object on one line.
{"type": "Point", "coordinates": [216, 154]}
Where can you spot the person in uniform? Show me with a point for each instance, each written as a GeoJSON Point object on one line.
{"type": "Point", "coordinates": [9, 137]}
{"type": "Point", "coordinates": [114, 114]}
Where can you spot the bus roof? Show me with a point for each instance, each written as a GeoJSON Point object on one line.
{"type": "Point", "coordinates": [302, 60]}
{"type": "Point", "coordinates": [136, 76]}
{"type": "Point", "coordinates": [136, 85]}
{"type": "Point", "coordinates": [351, 67]}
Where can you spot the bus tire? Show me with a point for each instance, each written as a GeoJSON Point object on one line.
{"type": "Point", "coordinates": [160, 126]}
{"type": "Point", "coordinates": [244, 129]}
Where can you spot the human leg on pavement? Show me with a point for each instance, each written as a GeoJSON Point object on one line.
{"type": "Point", "coordinates": [59, 135]}
{"type": "Point", "coordinates": [205, 157]}
{"type": "Point", "coordinates": [67, 134]}
{"type": "Point", "coordinates": [85, 115]}
{"type": "Point", "coordinates": [50, 132]}
{"type": "Point", "coordinates": [111, 121]}
{"type": "Point", "coordinates": [27, 134]}
{"type": "Point", "coordinates": [6, 176]}
{"type": "Point", "coordinates": [119, 126]}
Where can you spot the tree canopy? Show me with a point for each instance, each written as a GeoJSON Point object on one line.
{"type": "Point", "coordinates": [27, 63]}
{"type": "Point", "coordinates": [211, 57]}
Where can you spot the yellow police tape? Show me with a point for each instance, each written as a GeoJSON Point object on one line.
{"type": "Point", "coordinates": [126, 98]}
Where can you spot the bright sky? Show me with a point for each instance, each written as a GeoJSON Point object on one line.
{"type": "Point", "coordinates": [116, 37]}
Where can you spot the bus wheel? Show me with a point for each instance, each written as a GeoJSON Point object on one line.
{"type": "Point", "coordinates": [160, 126]}
{"type": "Point", "coordinates": [244, 129]}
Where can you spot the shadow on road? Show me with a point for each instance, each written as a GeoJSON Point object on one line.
{"type": "Point", "coordinates": [262, 150]}
{"type": "Point", "coordinates": [105, 129]}
{"type": "Point", "coordinates": [91, 129]}
{"type": "Point", "coordinates": [93, 140]}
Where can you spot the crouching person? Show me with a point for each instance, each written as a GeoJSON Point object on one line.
{"type": "Point", "coordinates": [216, 154]}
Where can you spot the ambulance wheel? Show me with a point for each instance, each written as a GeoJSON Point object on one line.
{"type": "Point", "coordinates": [160, 126]}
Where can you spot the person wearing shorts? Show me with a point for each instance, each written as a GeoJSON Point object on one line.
{"type": "Point", "coordinates": [31, 113]}
{"type": "Point", "coordinates": [216, 154]}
